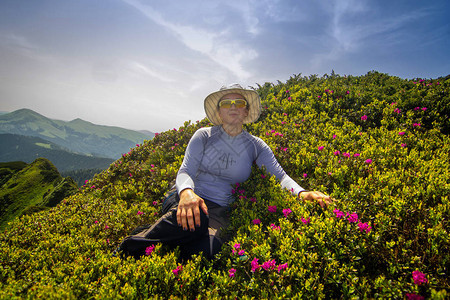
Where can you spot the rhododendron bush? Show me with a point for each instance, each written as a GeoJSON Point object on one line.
{"type": "Point", "coordinates": [377, 144]}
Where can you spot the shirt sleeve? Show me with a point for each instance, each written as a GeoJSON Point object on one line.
{"type": "Point", "coordinates": [191, 162]}
{"type": "Point", "coordinates": [266, 158]}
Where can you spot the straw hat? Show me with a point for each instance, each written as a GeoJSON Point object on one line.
{"type": "Point", "coordinates": [212, 103]}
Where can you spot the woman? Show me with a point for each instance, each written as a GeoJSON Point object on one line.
{"type": "Point", "coordinates": [216, 158]}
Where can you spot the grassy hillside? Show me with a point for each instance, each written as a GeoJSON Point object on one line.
{"type": "Point", "coordinates": [26, 148]}
{"type": "Point", "coordinates": [78, 136]}
{"type": "Point", "coordinates": [28, 188]}
{"type": "Point", "coordinates": [377, 143]}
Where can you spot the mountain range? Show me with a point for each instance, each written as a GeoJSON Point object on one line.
{"type": "Point", "coordinates": [14, 147]}
{"type": "Point", "coordinates": [77, 136]}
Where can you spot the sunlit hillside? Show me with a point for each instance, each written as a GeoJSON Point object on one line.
{"type": "Point", "coordinates": [378, 144]}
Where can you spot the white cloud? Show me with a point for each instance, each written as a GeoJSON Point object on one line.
{"type": "Point", "coordinates": [141, 69]}
{"type": "Point", "coordinates": [219, 46]}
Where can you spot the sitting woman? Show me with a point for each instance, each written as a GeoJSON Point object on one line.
{"type": "Point", "coordinates": [216, 158]}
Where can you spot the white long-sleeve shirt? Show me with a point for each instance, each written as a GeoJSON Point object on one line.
{"type": "Point", "coordinates": [214, 161]}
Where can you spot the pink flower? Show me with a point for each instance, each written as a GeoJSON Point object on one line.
{"type": "Point", "coordinates": [347, 92]}
{"type": "Point", "coordinates": [401, 133]}
{"type": "Point", "coordinates": [337, 152]}
{"type": "Point", "coordinates": [255, 265]}
{"type": "Point", "coordinates": [149, 250]}
{"type": "Point", "coordinates": [282, 267]}
{"type": "Point", "coordinates": [269, 265]}
{"type": "Point", "coordinates": [411, 296]}
{"type": "Point", "coordinates": [272, 208]}
{"type": "Point", "coordinates": [419, 278]}
{"type": "Point", "coordinates": [364, 227]}
{"type": "Point", "coordinates": [305, 175]}
{"type": "Point", "coordinates": [253, 199]}
{"type": "Point", "coordinates": [403, 145]}
{"type": "Point", "coordinates": [256, 221]}
{"type": "Point", "coordinates": [339, 214]}
{"type": "Point", "coordinates": [320, 148]}
{"type": "Point", "coordinates": [397, 110]}
{"type": "Point", "coordinates": [352, 218]}
{"type": "Point", "coordinates": [417, 124]}
{"type": "Point", "coordinates": [364, 118]}
{"type": "Point", "coordinates": [106, 227]}
{"type": "Point", "coordinates": [356, 155]}
{"type": "Point", "coordinates": [263, 176]}
{"type": "Point", "coordinates": [305, 221]}
{"type": "Point", "coordinates": [368, 161]}
{"type": "Point", "coordinates": [241, 252]}
{"type": "Point", "coordinates": [237, 246]}
{"type": "Point", "coordinates": [274, 227]}
{"type": "Point", "coordinates": [177, 270]}
{"type": "Point", "coordinates": [231, 272]}
{"type": "Point", "coordinates": [345, 154]}
{"type": "Point", "coordinates": [334, 136]}
{"type": "Point", "coordinates": [139, 213]}
{"type": "Point", "coordinates": [424, 108]}
{"type": "Point", "coordinates": [286, 212]}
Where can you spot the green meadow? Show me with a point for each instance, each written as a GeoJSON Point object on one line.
{"type": "Point", "coordinates": [378, 144]}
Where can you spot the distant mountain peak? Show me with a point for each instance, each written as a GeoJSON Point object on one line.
{"type": "Point", "coordinates": [78, 135]}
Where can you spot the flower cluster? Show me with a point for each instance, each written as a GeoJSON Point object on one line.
{"type": "Point", "coordinates": [268, 266]}
{"type": "Point", "coordinates": [177, 270]}
{"type": "Point", "coordinates": [353, 218]}
{"type": "Point", "coordinates": [149, 250]}
{"type": "Point", "coordinates": [237, 249]}
{"type": "Point", "coordinates": [419, 278]}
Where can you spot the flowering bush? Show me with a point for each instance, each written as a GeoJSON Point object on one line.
{"type": "Point", "coordinates": [386, 236]}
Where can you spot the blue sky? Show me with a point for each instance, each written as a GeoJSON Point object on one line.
{"type": "Point", "coordinates": [144, 64]}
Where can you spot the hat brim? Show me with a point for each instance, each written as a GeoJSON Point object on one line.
{"type": "Point", "coordinates": [211, 105]}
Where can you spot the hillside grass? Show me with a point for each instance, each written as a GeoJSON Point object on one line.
{"type": "Point", "coordinates": [31, 187]}
{"type": "Point", "coordinates": [378, 144]}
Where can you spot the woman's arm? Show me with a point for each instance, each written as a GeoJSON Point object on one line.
{"type": "Point", "coordinates": [267, 159]}
{"type": "Point", "coordinates": [188, 211]}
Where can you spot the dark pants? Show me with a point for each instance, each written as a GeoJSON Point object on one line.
{"type": "Point", "coordinates": [205, 239]}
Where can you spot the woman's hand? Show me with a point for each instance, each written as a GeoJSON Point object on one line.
{"type": "Point", "coordinates": [320, 197]}
{"type": "Point", "coordinates": [188, 212]}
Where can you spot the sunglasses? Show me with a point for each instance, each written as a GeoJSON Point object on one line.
{"type": "Point", "coordinates": [227, 103]}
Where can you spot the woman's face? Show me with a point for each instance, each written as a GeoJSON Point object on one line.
{"type": "Point", "coordinates": [233, 115]}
